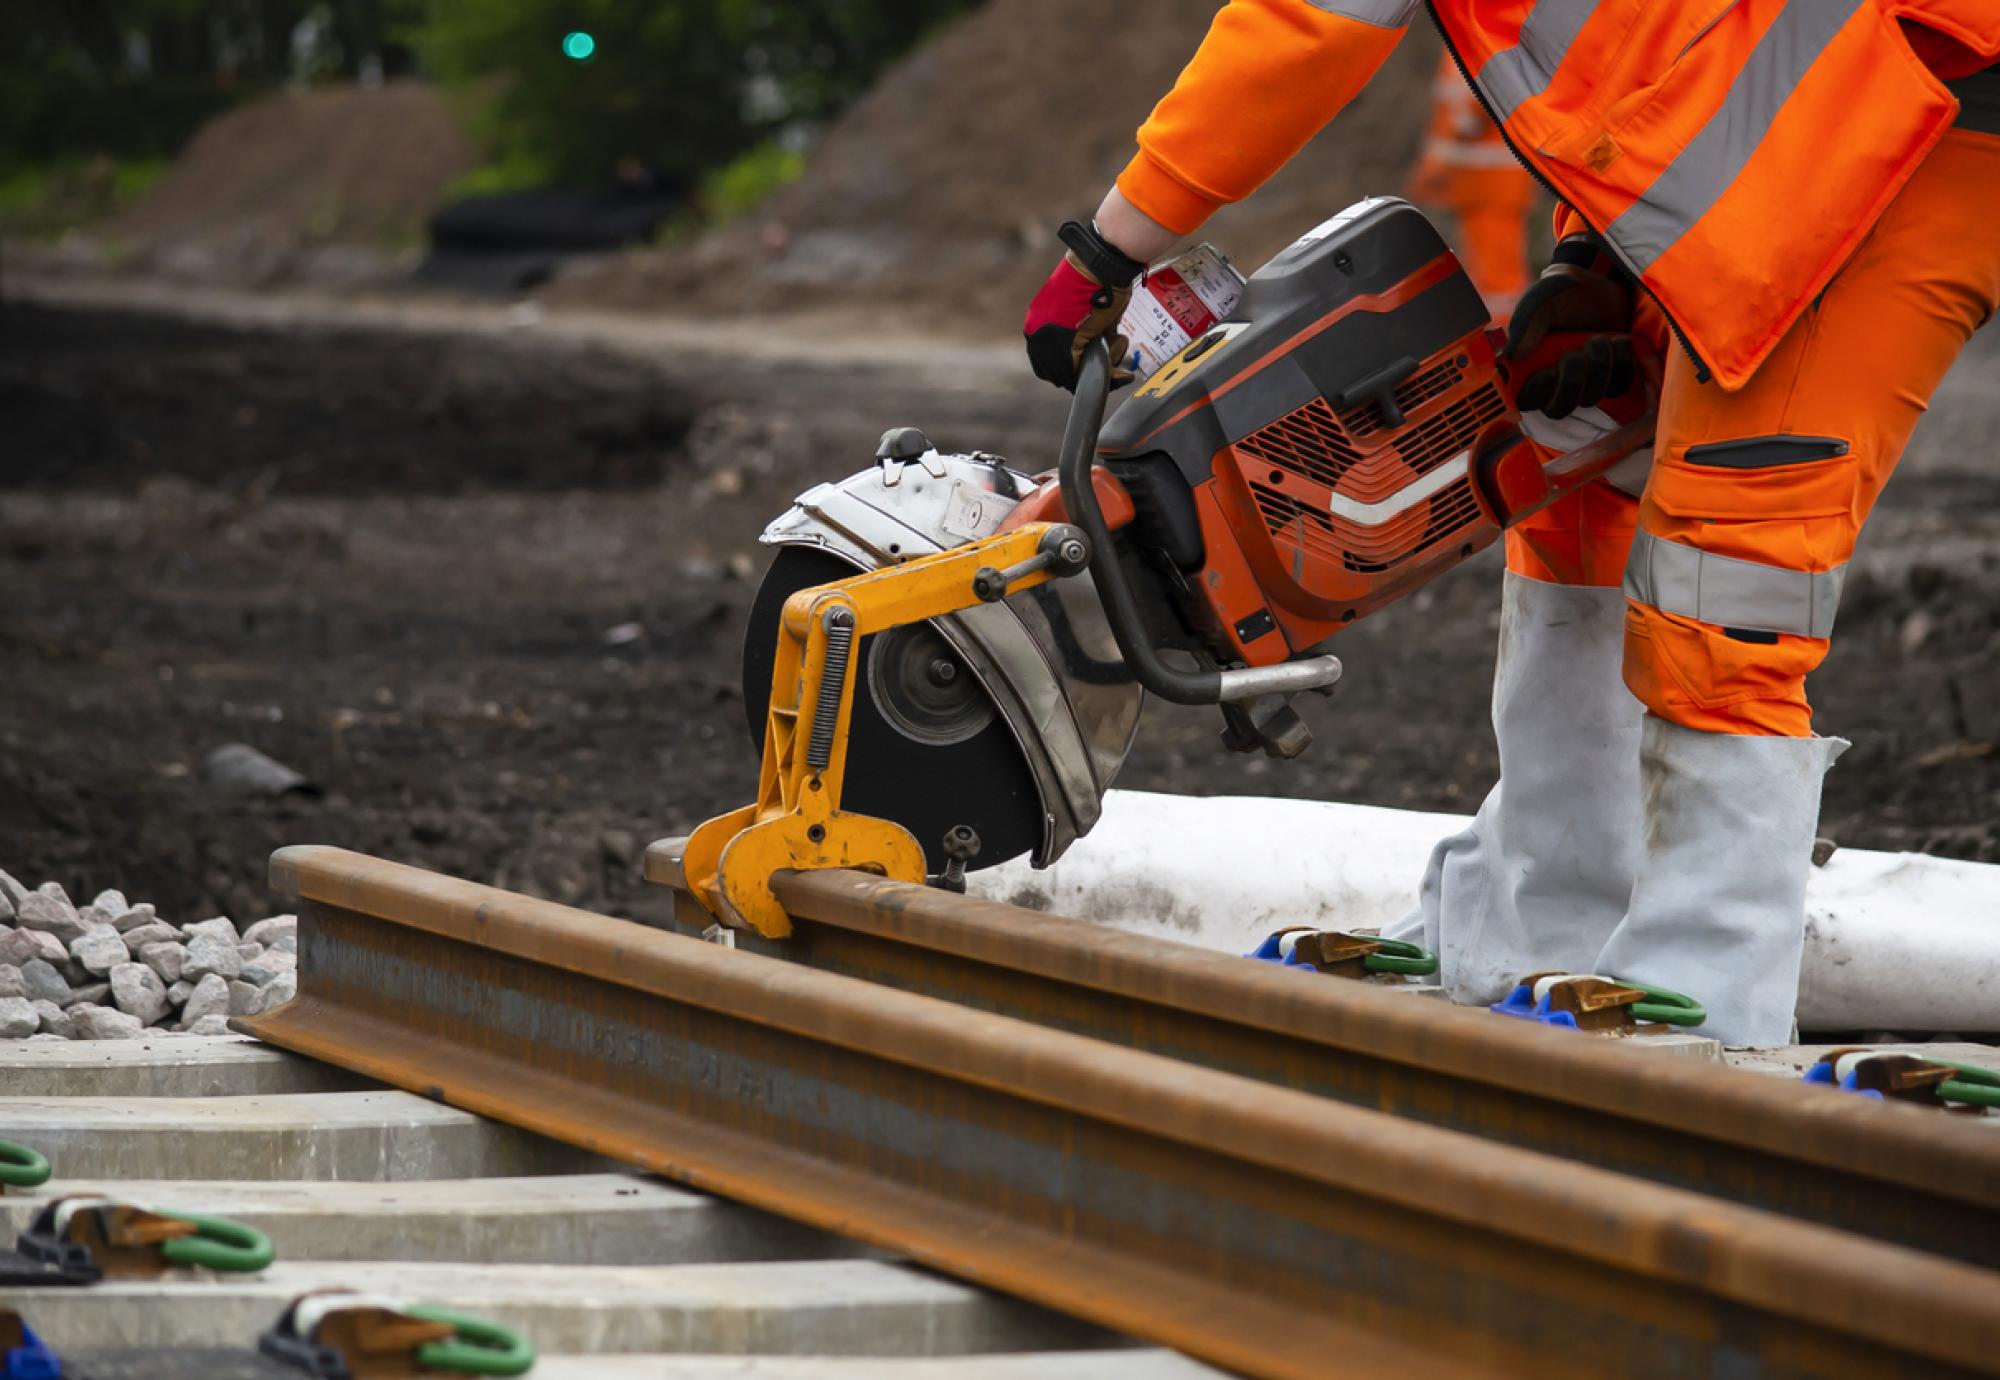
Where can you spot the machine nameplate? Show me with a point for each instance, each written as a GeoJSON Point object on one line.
{"type": "Point", "coordinates": [973, 513]}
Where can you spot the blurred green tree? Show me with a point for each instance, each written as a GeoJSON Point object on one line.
{"type": "Point", "coordinates": [682, 86]}
{"type": "Point", "coordinates": [133, 78]}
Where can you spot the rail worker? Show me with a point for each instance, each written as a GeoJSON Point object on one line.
{"type": "Point", "coordinates": [1467, 170]}
{"type": "Point", "coordinates": [1795, 200]}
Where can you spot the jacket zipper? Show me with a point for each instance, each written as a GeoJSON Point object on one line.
{"type": "Point", "coordinates": [1702, 373]}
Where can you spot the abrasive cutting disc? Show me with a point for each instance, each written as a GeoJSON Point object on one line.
{"type": "Point", "coordinates": [927, 747]}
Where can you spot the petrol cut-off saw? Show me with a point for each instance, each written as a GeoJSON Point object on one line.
{"type": "Point", "coordinates": [935, 684]}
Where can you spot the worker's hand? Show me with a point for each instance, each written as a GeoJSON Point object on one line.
{"type": "Point", "coordinates": [1570, 338]}
{"type": "Point", "coordinates": [1082, 301]}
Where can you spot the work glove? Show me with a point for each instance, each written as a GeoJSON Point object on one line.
{"type": "Point", "coordinates": [1587, 369]}
{"type": "Point", "coordinates": [1572, 332]}
{"type": "Point", "coordinates": [1082, 301]}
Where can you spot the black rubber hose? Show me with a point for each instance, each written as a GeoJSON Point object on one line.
{"type": "Point", "coordinates": [1121, 606]}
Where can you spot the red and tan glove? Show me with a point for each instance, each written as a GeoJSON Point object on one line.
{"type": "Point", "coordinates": [1083, 300]}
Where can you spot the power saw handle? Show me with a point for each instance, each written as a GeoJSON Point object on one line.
{"type": "Point", "coordinates": [1114, 592]}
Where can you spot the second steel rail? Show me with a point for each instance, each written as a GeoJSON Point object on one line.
{"type": "Point", "coordinates": [1899, 1174]}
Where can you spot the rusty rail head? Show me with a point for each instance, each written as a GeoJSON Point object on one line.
{"type": "Point", "coordinates": [371, 962]}
{"type": "Point", "coordinates": [1888, 1146]}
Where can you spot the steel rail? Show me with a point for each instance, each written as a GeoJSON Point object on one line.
{"type": "Point", "coordinates": [1267, 1230]}
{"type": "Point", "coordinates": [1898, 1174]}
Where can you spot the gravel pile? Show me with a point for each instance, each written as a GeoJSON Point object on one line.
{"type": "Point", "coordinates": [111, 970]}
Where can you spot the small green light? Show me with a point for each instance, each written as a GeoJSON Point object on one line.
{"type": "Point", "coordinates": [578, 46]}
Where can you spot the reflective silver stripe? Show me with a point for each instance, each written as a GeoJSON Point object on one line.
{"type": "Point", "coordinates": [1404, 499]}
{"type": "Point", "coordinates": [1384, 14]}
{"type": "Point", "coordinates": [1515, 74]}
{"type": "Point", "coordinates": [1692, 184]}
{"type": "Point", "coordinates": [1731, 593]}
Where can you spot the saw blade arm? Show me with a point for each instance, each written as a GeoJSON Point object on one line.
{"type": "Point", "coordinates": [796, 822]}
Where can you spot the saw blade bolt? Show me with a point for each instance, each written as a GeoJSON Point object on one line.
{"type": "Point", "coordinates": [961, 846]}
{"type": "Point", "coordinates": [1068, 550]}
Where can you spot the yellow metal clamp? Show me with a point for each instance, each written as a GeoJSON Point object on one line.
{"type": "Point", "coordinates": [796, 822]}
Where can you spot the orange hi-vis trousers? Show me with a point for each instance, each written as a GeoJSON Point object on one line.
{"type": "Point", "coordinates": [1732, 561]}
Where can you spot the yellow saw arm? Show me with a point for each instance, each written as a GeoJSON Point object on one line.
{"type": "Point", "coordinates": [796, 822]}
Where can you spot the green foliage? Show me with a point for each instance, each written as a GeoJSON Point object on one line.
{"type": "Point", "coordinates": [46, 199]}
{"type": "Point", "coordinates": [515, 173]}
{"type": "Point", "coordinates": [696, 91]}
{"type": "Point", "coordinates": [570, 121]}
{"type": "Point", "coordinates": [733, 190]}
{"type": "Point", "coordinates": [684, 86]}
{"type": "Point", "coordinates": [740, 186]}
{"type": "Point", "coordinates": [134, 78]}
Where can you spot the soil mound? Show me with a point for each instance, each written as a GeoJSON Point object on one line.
{"type": "Point", "coordinates": [298, 176]}
{"type": "Point", "coordinates": [947, 180]}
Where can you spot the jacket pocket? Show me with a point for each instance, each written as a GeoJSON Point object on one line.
{"type": "Point", "coordinates": [1664, 53]}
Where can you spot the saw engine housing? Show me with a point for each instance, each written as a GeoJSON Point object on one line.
{"type": "Point", "coordinates": [1344, 439]}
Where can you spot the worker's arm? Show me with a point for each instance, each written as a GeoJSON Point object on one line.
{"type": "Point", "coordinates": [1268, 77]}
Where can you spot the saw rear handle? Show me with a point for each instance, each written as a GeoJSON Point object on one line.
{"type": "Point", "coordinates": [1121, 605]}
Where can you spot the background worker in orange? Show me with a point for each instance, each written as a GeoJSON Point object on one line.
{"type": "Point", "coordinates": [1796, 201]}
{"type": "Point", "coordinates": [1467, 169]}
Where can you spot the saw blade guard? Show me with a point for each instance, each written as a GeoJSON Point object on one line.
{"type": "Point", "coordinates": [1046, 660]}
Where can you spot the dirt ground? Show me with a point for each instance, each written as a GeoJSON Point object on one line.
{"type": "Point", "coordinates": [486, 593]}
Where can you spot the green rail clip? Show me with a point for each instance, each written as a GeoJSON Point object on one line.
{"type": "Point", "coordinates": [1974, 1086]}
{"type": "Point", "coordinates": [21, 1167]}
{"type": "Point", "coordinates": [219, 1244]}
{"type": "Point", "coordinates": [1397, 956]}
{"type": "Point", "coordinates": [482, 1346]}
{"type": "Point", "coordinates": [1667, 1008]}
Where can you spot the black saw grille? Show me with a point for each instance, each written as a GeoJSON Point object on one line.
{"type": "Point", "coordinates": [1436, 439]}
{"type": "Point", "coordinates": [1309, 442]}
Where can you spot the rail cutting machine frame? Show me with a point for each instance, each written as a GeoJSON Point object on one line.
{"type": "Point", "coordinates": [1348, 435]}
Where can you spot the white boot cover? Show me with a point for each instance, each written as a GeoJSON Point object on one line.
{"type": "Point", "coordinates": [1543, 873]}
{"type": "Point", "coordinates": [1718, 910]}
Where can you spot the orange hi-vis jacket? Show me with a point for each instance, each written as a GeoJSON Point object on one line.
{"type": "Point", "coordinates": [1733, 153]}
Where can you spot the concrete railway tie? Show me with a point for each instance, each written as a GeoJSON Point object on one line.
{"type": "Point", "coordinates": [614, 1275]}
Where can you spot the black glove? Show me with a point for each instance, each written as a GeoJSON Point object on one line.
{"type": "Point", "coordinates": [1572, 332]}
